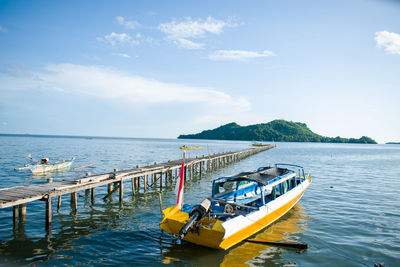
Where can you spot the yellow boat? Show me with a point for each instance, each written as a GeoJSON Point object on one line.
{"type": "Point", "coordinates": [239, 206]}
{"type": "Point", "coordinates": [191, 147]}
{"type": "Point", "coordinates": [259, 144]}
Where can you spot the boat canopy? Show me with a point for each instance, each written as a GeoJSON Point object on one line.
{"type": "Point", "coordinates": [262, 176]}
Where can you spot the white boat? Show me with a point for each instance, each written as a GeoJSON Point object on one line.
{"type": "Point", "coordinates": [45, 166]}
{"type": "Point", "coordinates": [239, 206]}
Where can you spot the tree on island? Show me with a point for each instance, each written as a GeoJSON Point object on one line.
{"type": "Point", "coordinates": [276, 130]}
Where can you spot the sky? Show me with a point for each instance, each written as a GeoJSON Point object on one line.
{"type": "Point", "coordinates": [158, 69]}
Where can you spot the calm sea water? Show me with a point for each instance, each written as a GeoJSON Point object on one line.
{"type": "Point", "coordinates": [349, 216]}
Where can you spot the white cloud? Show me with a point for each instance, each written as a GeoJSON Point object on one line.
{"type": "Point", "coordinates": [187, 44]}
{"type": "Point", "coordinates": [2, 29]}
{"type": "Point", "coordinates": [122, 55]}
{"type": "Point", "coordinates": [127, 24]}
{"type": "Point", "coordinates": [181, 32]}
{"type": "Point", "coordinates": [113, 85]}
{"type": "Point", "coordinates": [238, 55]}
{"type": "Point", "coordinates": [390, 41]}
{"type": "Point", "coordinates": [119, 38]}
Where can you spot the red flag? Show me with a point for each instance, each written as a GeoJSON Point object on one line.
{"type": "Point", "coordinates": [180, 184]}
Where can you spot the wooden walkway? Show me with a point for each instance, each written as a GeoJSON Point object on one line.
{"type": "Point", "coordinates": [154, 176]}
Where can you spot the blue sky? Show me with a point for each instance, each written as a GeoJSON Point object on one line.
{"type": "Point", "coordinates": [163, 68]}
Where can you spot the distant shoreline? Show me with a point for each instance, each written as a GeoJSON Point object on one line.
{"type": "Point", "coordinates": [77, 136]}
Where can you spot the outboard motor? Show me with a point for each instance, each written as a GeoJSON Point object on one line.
{"type": "Point", "coordinates": [195, 215]}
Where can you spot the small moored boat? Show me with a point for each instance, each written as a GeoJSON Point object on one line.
{"type": "Point", "coordinates": [239, 206]}
{"type": "Point", "coordinates": [191, 147]}
{"type": "Point", "coordinates": [259, 144]}
{"type": "Point", "coordinates": [44, 166]}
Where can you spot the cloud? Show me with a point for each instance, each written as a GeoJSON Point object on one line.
{"type": "Point", "coordinates": [114, 85]}
{"type": "Point", "coordinates": [119, 38]}
{"type": "Point", "coordinates": [239, 55]}
{"type": "Point", "coordinates": [127, 24]}
{"type": "Point", "coordinates": [122, 55]}
{"type": "Point", "coordinates": [390, 41]}
{"type": "Point", "coordinates": [181, 32]}
{"type": "Point", "coordinates": [2, 29]}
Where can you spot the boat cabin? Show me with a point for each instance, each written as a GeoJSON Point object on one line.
{"type": "Point", "coordinates": [251, 190]}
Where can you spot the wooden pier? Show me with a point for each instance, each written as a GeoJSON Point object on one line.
{"type": "Point", "coordinates": [141, 178]}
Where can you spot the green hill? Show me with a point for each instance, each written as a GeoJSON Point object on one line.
{"type": "Point", "coordinates": [277, 130]}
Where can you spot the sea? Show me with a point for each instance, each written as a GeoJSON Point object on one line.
{"type": "Point", "coordinates": [349, 216]}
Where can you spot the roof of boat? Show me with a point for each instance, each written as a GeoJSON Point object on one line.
{"type": "Point", "coordinates": [262, 175]}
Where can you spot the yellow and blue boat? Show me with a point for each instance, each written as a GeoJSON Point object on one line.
{"type": "Point", "coordinates": [239, 206]}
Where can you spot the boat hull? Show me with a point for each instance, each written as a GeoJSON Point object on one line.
{"type": "Point", "coordinates": [224, 235]}
{"type": "Point", "coordinates": [42, 168]}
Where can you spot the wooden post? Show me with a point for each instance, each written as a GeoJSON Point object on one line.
{"type": "Point", "coordinates": [161, 174]}
{"type": "Point", "coordinates": [145, 183]}
{"type": "Point", "coordinates": [160, 201]}
{"type": "Point", "coordinates": [22, 212]}
{"type": "Point", "coordinates": [121, 191]}
{"type": "Point", "coordinates": [59, 203]}
{"type": "Point", "coordinates": [48, 214]}
{"type": "Point", "coordinates": [109, 188]}
{"type": "Point", "coordinates": [133, 185]}
{"type": "Point", "coordinates": [92, 195]}
{"type": "Point", "coordinates": [109, 195]}
{"type": "Point", "coordinates": [74, 202]}
{"type": "Point", "coordinates": [15, 216]}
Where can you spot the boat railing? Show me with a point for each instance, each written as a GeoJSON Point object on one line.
{"type": "Point", "coordinates": [293, 165]}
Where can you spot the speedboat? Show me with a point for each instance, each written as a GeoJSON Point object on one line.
{"type": "Point", "coordinates": [239, 206]}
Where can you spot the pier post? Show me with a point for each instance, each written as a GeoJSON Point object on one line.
{"type": "Point", "coordinates": [92, 195]}
{"type": "Point", "coordinates": [161, 179]}
{"type": "Point", "coordinates": [121, 191]}
{"type": "Point", "coordinates": [133, 185]}
{"type": "Point", "coordinates": [145, 183]}
{"type": "Point", "coordinates": [22, 213]}
{"type": "Point", "coordinates": [59, 203]}
{"type": "Point", "coordinates": [74, 202]}
{"type": "Point", "coordinates": [48, 214]}
{"type": "Point", "coordinates": [15, 216]}
{"type": "Point", "coordinates": [109, 188]}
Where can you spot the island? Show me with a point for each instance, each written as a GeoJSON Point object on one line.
{"type": "Point", "coordinates": [393, 143]}
{"type": "Point", "coordinates": [276, 130]}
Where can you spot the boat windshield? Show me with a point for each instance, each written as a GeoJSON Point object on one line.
{"type": "Point", "coordinates": [225, 187]}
